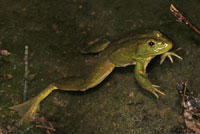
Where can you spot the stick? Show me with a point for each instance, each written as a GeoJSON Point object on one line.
{"type": "Point", "coordinates": [26, 72]}
{"type": "Point", "coordinates": [181, 18]}
{"type": "Point", "coordinates": [27, 129]}
{"type": "Point", "coordinates": [48, 128]}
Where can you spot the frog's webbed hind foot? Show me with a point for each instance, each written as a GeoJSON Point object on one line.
{"type": "Point", "coordinates": [26, 110]}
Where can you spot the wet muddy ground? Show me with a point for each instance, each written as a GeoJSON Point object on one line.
{"type": "Point", "coordinates": [56, 31]}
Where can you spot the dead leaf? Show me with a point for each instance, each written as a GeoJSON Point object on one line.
{"type": "Point", "coordinates": [4, 52]}
{"type": "Point", "coordinates": [1, 131]}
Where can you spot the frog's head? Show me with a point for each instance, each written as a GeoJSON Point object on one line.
{"type": "Point", "coordinates": [153, 43]}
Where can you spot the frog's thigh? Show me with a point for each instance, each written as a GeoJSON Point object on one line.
{"type": "Point", "coordinates": [96, 46]}
{"type": "Point", "coordinates": [97, 75]}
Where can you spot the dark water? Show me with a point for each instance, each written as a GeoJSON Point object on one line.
{"type": "Point", "coordinates": [55, 32]}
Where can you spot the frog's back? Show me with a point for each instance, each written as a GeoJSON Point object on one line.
{"type": "Point", "coordinates": [131, 47]}
{"type": "Point", "coordinates": [122, 52]}
{"type": "Point", "coordinates": [130, 39]}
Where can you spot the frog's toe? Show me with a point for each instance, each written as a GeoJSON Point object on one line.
{"type": "Point", "coordinates": [155, 91]}
{"type": "Point", "coordinates": [155, 94]}
{"type": "Point", "coordinates": [177, 56]}
{"type": "Point", "coordinates": [170, 58]}
{"type": "Point", "coordinates": [163, 57]}
{"type": "Point", "coordinates": [155, 86]}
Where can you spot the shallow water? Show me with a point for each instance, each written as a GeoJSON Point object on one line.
{"type": "Point", "coordinates": [56, 31]}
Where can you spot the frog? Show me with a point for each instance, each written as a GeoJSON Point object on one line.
{"type": "Point", "coordinates": [134, 49]}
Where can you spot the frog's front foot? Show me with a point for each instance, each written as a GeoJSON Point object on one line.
{"type": "Point", "coordinates": [169, 55]}
{"type": "Point", "coordinates": [154, 90]}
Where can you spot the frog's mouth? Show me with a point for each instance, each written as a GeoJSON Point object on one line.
{"type": "Point", "coordinates": [161, 47]}
{"type": "Point", "coordinates": [164, 48]}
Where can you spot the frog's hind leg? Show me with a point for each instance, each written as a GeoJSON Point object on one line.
{"type": "Point", "coordinates": [28, 109]}
{"type": "Point", "coordinates": [96, 46]}
{"type": "Point", "coordinates": [99, 73]}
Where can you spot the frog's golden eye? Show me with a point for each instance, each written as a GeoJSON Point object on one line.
{"type": "Point", "coordinates": [151, 43]}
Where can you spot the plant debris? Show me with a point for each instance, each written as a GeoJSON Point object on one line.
{"type": "Point", "coordinates": [191, 107]}
{"type": "Point", "coordinates": [4, 52]}
{"type": "Point", "coordinates": [182, 18]}
{"type": "Point", "coordinates": [5, 77]}
{"type": "Point", "coordinates": [42, 122]}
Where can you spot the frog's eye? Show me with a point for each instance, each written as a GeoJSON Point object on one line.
{"type": "Point", "coordinates": [151, 43]}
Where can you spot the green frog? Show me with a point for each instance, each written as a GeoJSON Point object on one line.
{"type": "Point", "coordinates": [138, 50]}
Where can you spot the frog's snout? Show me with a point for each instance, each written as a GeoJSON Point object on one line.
{"type": "Point", "coordinates": [169, 45]}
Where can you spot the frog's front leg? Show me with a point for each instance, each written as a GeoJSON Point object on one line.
{"type": "Point", "coordinates": [142, 79]}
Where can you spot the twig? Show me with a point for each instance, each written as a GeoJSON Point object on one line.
{"type": "Point", "coordinates": [27, 129]}
{"type": "Point", "coordinates": [26, 72]}
{"type": "Point", "coordinates": [48, 128]}
{"type": "Point", "coordinates": [184, 94]}
{"type": "Point", "coordinates": [183, 19]}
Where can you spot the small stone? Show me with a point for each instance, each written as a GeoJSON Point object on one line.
{"type": "Point", "coordinates": [81, 25]}
{"type": "Point", "coordinates": [93, 13]}
{"type": "Point", "coordinates": [131, 94]}
{"type": "Point", "coordinates": [108, 84]}
{"type": "Point", "coordinates": [80, 7]}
